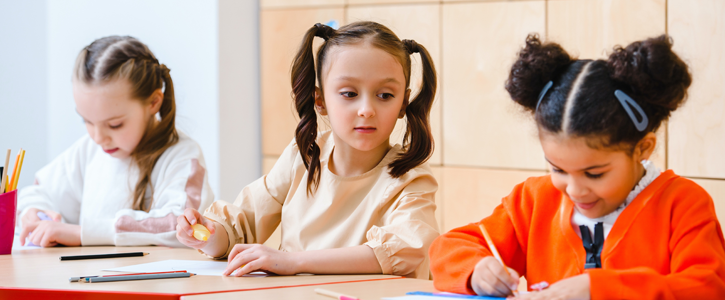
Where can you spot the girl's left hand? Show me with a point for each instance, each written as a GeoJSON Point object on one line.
{"type": "Point", "coordinates": [256, 257]}
{"type": "Point", "coordinates": [576, 287]}
{"type": "Point", "coordinates": [50, 233]}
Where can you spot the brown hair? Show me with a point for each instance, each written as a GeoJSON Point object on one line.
{"type": "Point", "coordinates": [648, 71]}
{"type": "Point", "coordinates": [124, 57]}
{"type": "Point", "coordinates": [418, 140]}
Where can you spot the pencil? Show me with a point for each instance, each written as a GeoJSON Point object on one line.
{"type": "Point", "coordinates": [492, 247]}
{"type": "Point", "coordinates": [97, 256]}
{"type": "Point", "coordinates": [138, 277]}
{"type": "Point", "coordinates": [12, 177]}
{"type": "Point", "coordinates": [72, 279]}
{"type": "Point", "coordinates": [20, 167]}
{"type": "Point", "coordinates": [5, 173]}
{"type": "Point", "coordinates": [334, 295]}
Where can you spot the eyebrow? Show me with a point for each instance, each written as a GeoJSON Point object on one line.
{"type": "Point", "coordinates": [111, 118]}
{"type": "Point", "coordinates": [585, 169]}
{"type": "Point", "coordinates": [354, 79]}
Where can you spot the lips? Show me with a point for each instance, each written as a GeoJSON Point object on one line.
{"type": "Point", "coordinates": [585, 206]}
{"type": "Point", "coordinates": [110, 151]}
{"type": "Point", "coordinates": [365, 129]}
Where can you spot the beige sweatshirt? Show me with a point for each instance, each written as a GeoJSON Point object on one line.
{"type": "Point", "coordinates": [393, 216]}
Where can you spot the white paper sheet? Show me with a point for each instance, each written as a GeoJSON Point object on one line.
{"type": "Point", "coordinates": [17, 246]}
{"type": "Point", "coordinates": [199, 267]}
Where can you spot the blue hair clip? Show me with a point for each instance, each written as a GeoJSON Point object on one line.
{"type": "Point", "coordinates": [543, 93]}
{"type": "Point", "coordinates": [626, 102]}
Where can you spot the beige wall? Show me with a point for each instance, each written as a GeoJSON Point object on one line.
{"type": "Point", "coordinates": [484, 144]}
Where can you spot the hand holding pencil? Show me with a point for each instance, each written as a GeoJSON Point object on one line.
{"type": "Point", "coordinates": [491, 277]}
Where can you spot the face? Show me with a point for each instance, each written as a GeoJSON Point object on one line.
{"type": "Point", "coordinates": [364, 95]}
{"type": "Point", "coordinates": [596, 180]}
{"type": "Point", "coordinates": [114, 119]}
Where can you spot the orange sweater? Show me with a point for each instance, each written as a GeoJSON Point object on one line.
{"type": "Point", "coordinates": [667, 243]}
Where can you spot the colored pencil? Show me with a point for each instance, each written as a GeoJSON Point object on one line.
{"type": "Point", "coordinates": [334, 295]}
{"type": "Point", "coordinates": [138, 277]}
{"type": "Point", "coordinates": [73, 279]}
{"type": "Point", "coordinates": [15, 170]}
{"type": "Point", "coordinates": [492, 247]}
{"type": "Point", "coordinates": [20, 168]}
{"type": "Point", "coordinates": [97, 256]}
{"type": "Point", "coordinates": [5, 173]}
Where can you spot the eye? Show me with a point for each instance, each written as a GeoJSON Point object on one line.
{"type": "Point", "coordinates": [115, 126]}
{"type": "Point", "coordinates": [386, 96]}
{"type": "Point", "coordinates": [349, 94]}
{"type": "Point", "coordinates": [594, 176]}
{"type": "Point", "coordinates": [555, 170]}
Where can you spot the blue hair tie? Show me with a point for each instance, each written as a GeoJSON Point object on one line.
{"type": "Point", "coordinates": [626, 102]}
{"type": "Point", "coordinates": [543, 93]}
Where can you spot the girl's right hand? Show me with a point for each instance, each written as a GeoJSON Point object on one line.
{"type": "Point", "coordinates": [184, 232]}
{"type": "Point", "coordinates": [489, 278]}
{"type": "Point", "coordinates": [30, 220]}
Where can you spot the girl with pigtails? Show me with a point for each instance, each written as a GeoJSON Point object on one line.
{"type": "Point", "coordinates": [606, 223]}
{"type": "Point", "coordinates": [125, 182]}
{"type": "Point", "coordinates": [347, 201]}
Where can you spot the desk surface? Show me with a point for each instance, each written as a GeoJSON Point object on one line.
{"type": "Point", "coordinates": [41, 269]}
{"type": "Point", "coordinates": [362, 290]}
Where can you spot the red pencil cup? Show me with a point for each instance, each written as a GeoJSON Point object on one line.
{"type": "Point", "coordinates": [8, 206]}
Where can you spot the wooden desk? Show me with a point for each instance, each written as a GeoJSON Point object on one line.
{"type": "Point", "coordinates": [363, 290]}
{"type": "Point", "coordinates": [40, 273]}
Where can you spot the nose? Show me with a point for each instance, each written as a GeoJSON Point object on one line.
{"type": "Point", "coordinates": [366, 109]}
{"type": "Point", "coordinates": [575, 189]}
{"type": "Point", "coordinates": [99, 135]}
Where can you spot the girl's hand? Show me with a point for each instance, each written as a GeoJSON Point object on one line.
{"type": "Point", "coordinates": [490, 279]}
{"type": "Point", "coordinates": [30, 220]}
{"type": "Point", "coordinates": [576, 287]}
{"type": "Point", "coordinates": [51, 233]}
{"type": "Point", "coordinates": [253, 257]}
{"type": "Point", "coordinates": [184, 232]}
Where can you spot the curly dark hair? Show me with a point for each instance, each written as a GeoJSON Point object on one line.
{"type": "Point", "coordinates": [581, 101]}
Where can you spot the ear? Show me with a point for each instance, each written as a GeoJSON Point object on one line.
{"type": "Point", "coordinates": [645, 147]}
{"type": "Point", "coordinates": [320, 102]}
{"type": "Point", "coordinates": [155, 101]}
{"type": "Point", "coordinates": [406, 101]}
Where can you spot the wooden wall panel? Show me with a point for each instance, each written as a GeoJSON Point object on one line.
{"type": "Point", "coordinates": [716, 189]}
{"type": "Point", "coordinates": [471, 194]}
{"type": "Point", "coordinates": [422, 24]}
{"type": "Point", "coordinates": [281, 34]}
{"type": "Point", "coordinates": [267, 4]}
{"type": "Point", "coordinates": [482, 126]}
{"type": "Point", "coordinates": [697, 130]}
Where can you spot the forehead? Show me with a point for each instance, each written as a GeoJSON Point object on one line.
{"type": "Point", "coordinates": [363, 62]}
{"type": "Point", "coordinates": [574, 153]}
{"type": "Point", "coordinates": [101, 101]}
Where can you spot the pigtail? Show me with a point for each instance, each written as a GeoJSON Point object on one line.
{"type": "Point", "coordinates": [418, 140]}
{"type": "Point", "coordinates": [537, 64]}
{"type": "Point", "coordinates": [155, 141]}
{"type": "Point", "coordinates": [303, 88]}
{"type": "Point", "coordinates": [653, 74]}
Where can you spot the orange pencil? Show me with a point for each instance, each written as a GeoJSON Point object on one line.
{"type": "Point", "coordinates": [20, 167]}
{"type": "Point", "coordinates": [492, 247]}
{"type": "Point", "coordinates": [15, 170]}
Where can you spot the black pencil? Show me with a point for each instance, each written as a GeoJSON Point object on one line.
{"type": "Point", "coordinates": [97, 256]}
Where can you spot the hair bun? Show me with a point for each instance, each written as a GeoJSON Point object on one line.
{"type": "Point", "coordinates": [653, 72]}
{"type": "Point", "coordinates": [411, 46]}
{"type": "Point", "coordinates": [537, 64]}
{"type": "Point", "coordinates": [324, 31]}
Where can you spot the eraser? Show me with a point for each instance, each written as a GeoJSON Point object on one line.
{"type": "Point", "coordinates": [200, 232]}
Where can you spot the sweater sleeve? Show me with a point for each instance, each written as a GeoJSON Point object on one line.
{"type": "Point", "coordinates": [180, 181]}
{"type": "Point", "coordinates": [257, 211]}
{"type": "Point", "coordinates": [401, 244]}
{"type": "Point", "coordinates": [697, 261]}
{"type": "Point", "coordinates": [454, 255]}
{"type": "Point", "coordinates": [59, 185]}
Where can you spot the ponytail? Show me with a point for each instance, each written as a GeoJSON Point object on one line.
{"type": "Point", "coordinates": [418, 139]}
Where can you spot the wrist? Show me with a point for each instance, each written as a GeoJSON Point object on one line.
{"type": "Point", "coordinates": [298, 261]}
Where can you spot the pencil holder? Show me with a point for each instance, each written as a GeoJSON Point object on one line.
{"type": "Point", "coordinates": [8, 205]}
